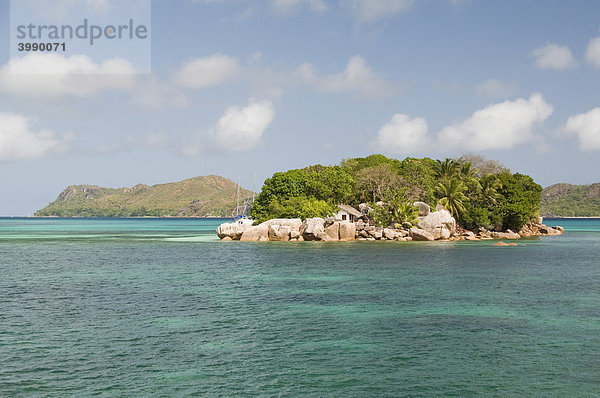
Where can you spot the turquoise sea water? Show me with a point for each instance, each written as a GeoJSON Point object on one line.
{"type": "Point", "coordinates": [149, 307]}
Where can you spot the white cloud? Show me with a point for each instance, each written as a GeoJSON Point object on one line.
{"type": "Point", "coordinates": [18, 142]}
{"type": "Point", "coordinates": [494, 88]}
{"type": "Point", "coordinates": [240, 129]}
{"type": "Point", "coordinates": [53, 75]}
{"type": "Point", "coordinates": [287, 6]}
{"type": "Point", "coordinates": [368, 11]}
{"type": "Point", "coordinates": [497, 126]}
{"type": "Point", "coordinates": [587, 128]}
{"type": "Point", "coordinates": [593, 52]}
{"type": "Point", "coordinates": [553, 56]}
{"type": "Point", "coordinates": [357, 77]}
{"type": "Point", "coordinates": [209, 71]}
{"type": "Point", "coordinates": [402, 135]}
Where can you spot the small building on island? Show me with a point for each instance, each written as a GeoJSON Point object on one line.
{"type": "Point", "coordinates": [347, 213]}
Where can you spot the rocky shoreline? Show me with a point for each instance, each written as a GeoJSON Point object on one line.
{"type": "Point", "coordinates": [432, 226]}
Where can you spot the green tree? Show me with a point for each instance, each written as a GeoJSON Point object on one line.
{"type": "Point", "coordinates": [451, 195]}
{"type": "Point", "coordinates": [295, 207]}
{"type": "Point", "coordinates": [447, 169]}
{"type": "Point", "coordinates": [377, 182]}
{"type": "Point", "coordinates": [490, 184]}
{"type": "Point", "coordinates": [354, 165]}
{"type": "Point", "coordinates": [310, 192]}
{"type": "Point", "coordinates": [420, 179]}
{"type": "Point", "coordinates": [467, 171]}
{"type": "Point", "coordinates": [395, 210]}
{"type": "Point", "coordinates": [332, 184]}
{"type": "Point", "coordinates": [519, 201]}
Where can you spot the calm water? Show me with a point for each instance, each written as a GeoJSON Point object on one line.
{"type": "Point", "coordinates": [161, 308]}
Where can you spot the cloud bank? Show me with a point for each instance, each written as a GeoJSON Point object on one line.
{"type": "Point", "coordinates": [587, 128]}
{"type": "Point", "coordinates": [402, 134]}
{"type": "Point", "coordinates": [497, 126]}
{"type": "Point", "coordinates": [19, 142]}
{"type": "Point", "coordinates": [240, 129]}
{"type": "Point", "coordinates": [54, 75]}
{"type": "Point", "coordinates": [592, 54]}
{"type": "Point", "coordinates": [208, 72]}
{"type": "Point", "coordinates": [553, 56]}
{"type": "Point", "coordinates": [357, 77]}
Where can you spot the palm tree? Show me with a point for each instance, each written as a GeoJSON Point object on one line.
{"type": "Point", "coordinates": [451, 195]}
{"type": "Point", "coordinates": [405, 212]}
{"type": "Point", "coordinates": [447, 168]}
{"type": "Point", "coordinates": [489, 189]}
{"type": "Point", "coordinates": [467, 170]}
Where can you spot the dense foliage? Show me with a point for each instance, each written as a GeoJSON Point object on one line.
{"type": "Point", "coordinates": [309, 192]}
{"type": "Point", "coordinates": [489, 197]}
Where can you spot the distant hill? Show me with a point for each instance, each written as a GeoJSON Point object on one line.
{"type": "Point", "coordinates": [195, 197]}
{"type": "Point", "coordinates": [566, 200]}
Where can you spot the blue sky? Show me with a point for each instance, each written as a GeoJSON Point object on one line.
{"type": "Point", "coordinates": [246, 88]}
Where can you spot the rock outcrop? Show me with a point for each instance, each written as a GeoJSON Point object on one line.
{"type": "Point", "coordinates": [505, 235]}
{"type": "Point", "coordinates": [233, 230]}
{"type": "Point", "coordinates": [424, 208]}
{"type": "Point", "coordinates": [347, 231]}
{"type": "Point", "coordinates": [365, 209]}
{"type": "Point", "coordinates": [275, 229]}
{"type": "Point", "coordinates": [440, 224]}
{"type": "Point", "coordinates": [504, 244]}
{"type": "Point", "coordinates": [420, 235]}
{"type": "Point", "coordinates": [333, 231]}
{"type": "Point", "coordinates": [257, 233]}
{"type": "Point", "coordinates": [436, 225]}
{"type": "Point", "coordinates": [313, 229]}
{"type": "Point", "coordinates": [538, 229]}
{"type": "Point", "coordinates": [545, 230]}
{"type": "Point", "coordinates": [279, 233]}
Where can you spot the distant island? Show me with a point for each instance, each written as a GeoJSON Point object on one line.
{"type": "Point", "coordinates": [209, 196]}
{"type": "Point", "coordinates": [567, 200]}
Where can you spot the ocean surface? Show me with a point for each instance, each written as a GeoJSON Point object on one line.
{"type": "Point", "coordinates": [155, 307]}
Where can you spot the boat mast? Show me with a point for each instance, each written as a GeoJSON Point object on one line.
{"type": "Point", "coordinates": [253, 188]}
{"type": "Point", "coordinates": [237, 199]}
{"type": "Point", "coordinates": [233, 210]}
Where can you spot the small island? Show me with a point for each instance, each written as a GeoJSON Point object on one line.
{"type": "Point", "coordinates": [379, 198]}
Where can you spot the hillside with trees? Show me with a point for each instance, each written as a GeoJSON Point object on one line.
{"type": "Point", "coordinates": [478, 192]}
{"type": "Point", "coordinates": [194, 197]}
{"type": "Point", "coordinates": [566, 200]}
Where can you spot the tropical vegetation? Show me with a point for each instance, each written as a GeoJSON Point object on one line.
{"type": "Point", "coordinates": [478, 192]}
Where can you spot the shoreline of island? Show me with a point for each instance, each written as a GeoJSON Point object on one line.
{"type": "Point", "coordinates": [352, 225]}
